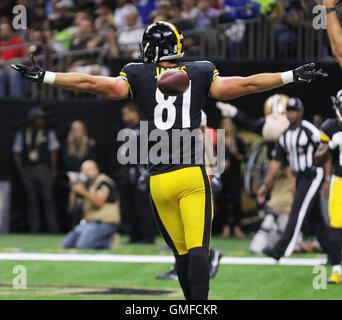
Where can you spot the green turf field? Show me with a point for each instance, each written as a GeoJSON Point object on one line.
{"type": "Point", "coordinates": [93, 280]}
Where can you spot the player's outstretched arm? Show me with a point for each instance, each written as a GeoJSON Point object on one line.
{"type": "Point", "coordinates": [226, 88]}
{"type": "Point", "coordinates": [112, 88]}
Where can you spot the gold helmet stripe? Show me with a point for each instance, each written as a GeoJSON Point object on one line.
{"type": "Point", "coordinates": [173, 28]}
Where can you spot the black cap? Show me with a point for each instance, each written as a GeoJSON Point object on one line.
{"type": "Point", "coordinates": [294, 104]}
{"type": "Point", "coordinates": [35, 113]}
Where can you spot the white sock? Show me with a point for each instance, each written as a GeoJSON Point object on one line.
{"type": "Point", "coordinates": [337, 268]}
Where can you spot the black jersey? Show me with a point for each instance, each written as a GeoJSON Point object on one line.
{"type": "Point", "coordinates": [168, 114]}
{"type": "Point", "coordinates": [330, 127]}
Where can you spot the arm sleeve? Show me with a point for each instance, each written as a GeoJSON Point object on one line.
{"type": "Point", "coordinates": [53, 142]}
{"type": "Point", "coordinates": [281, 154]}
{"type": "Point", "coordinates": [18, 143]}
{"type": "Point", "coordinates": [243, 120]}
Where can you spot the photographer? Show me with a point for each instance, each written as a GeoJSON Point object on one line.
{"type": "Point", "coordinates": [98, 228]}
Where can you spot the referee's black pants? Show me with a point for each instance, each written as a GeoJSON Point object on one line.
{"type": "Point", "coordinates": [305, 207]}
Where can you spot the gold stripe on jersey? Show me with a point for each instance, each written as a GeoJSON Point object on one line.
{"type": "Point", "coordinates": [324, 138]}
{"type": "Point", "coordinates": [124, 76]}
{"type": "Point", "coordinates": [335, 202]}
{"type": "Point", "coordinates": [173, 28]}
{"type": "Point", "coordinates": [215, 75]}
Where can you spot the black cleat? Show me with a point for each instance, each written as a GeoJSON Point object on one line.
{"type": "Point", "coordinates": [172, 274]}
{"type": "Point", "coordinates": [215, 257]}
{"type": "Point", "coordinates": [271, 253]}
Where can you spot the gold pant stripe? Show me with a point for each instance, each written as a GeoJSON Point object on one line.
{"type": "Point", "coordinates": [335, 202]}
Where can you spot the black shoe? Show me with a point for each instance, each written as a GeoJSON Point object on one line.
{"type": "Point", "coordinates": [271, 253]}
{"type": "Point", "coordinates": [172, 274]}
{"type": "Point", "coordinates": [215, 257]}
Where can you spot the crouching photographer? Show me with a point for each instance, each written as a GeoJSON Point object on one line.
{"type": "Point", "coordinates": [99, 226]}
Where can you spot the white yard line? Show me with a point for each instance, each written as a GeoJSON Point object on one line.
{"type": "Point", "coordinates": [151, 259]}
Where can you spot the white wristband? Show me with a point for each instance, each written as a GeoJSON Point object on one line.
{"type": "Point", "coordinates": [287, 77]}
{"type": "Point", "coordinates": [49, 77]}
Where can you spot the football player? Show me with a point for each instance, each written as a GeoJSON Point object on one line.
{"type": "Point", "coordinates": [180, 193]}
{"type": "Point", "coordinates": [331, 145]}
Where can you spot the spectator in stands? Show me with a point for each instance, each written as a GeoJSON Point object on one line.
{"type": "Point", "coordinates": [145, 9]}
{"type": "Point", "coordinates": [161, 13]}
{"type": "Point", "coordinates": [111, 43]}
{"type": "Point", "coordinates": [130, 36]}
{"type": "Point", "coordinates": [189, 9]}
{"type": "Point", "coordinates": [98, 229]}
{"type": "Point", "coordinates": [8, 57]}
{"type": "Point", "coordinates": [232, 181]}
{"type": "Point", "coordinates": [35, 36]}
{"type": "Point", "coordinates": [241, 9]}
{"type": "Point", "coordinates": [104, 11]}
{"type": "Point", "coordinates": [206, 14]}
{"type": "Point", "coordinates": [183, 25]}
{"type": "Point", "coordinates": [84, 35]}
{"type": "Point", "coordinates": [123, 8]}
{"type": "Point", "coordinates": [35, 154]}
{"type": "Point", "coordinates": [234, 35]}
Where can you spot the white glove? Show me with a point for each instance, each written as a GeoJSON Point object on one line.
{"type": "Point", "coordinates": [336, 140]}
{"type": "Point", "coordinates": [227, 110]}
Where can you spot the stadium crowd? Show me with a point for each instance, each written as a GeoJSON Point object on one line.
{"type": "Point", "coordinates": [62, 26]}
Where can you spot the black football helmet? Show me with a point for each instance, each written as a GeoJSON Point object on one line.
{"type": "Point", "coordinates": [337, 105]}
{"type": "Point", "coordinates": [161, 41]}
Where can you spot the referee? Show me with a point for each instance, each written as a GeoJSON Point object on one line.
{"type": "Point", "coordinates": [296, 148]}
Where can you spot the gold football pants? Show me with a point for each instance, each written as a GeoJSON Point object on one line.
{"type": "Point", "coordinates": [183, 208]}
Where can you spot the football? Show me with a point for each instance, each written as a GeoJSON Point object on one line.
{"type": "Point", "coordinates": [173, 82]}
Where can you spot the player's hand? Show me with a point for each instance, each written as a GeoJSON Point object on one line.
{"type": "Point", "coordinates": [330, 3]}
{"type": "Point", "coordinates": [336, 140]}
{"type": "Point", "coordinates": [227, 109]}
{"type": "Point", "coordinates": [307, 73]}
{"type": "Point", "coordinates": [261, 196]}
{"type": "Point", "coordinates": [33, 73]}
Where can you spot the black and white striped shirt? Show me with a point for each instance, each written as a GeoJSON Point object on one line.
{"type": "Point", "coordinates": [297, 147]}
